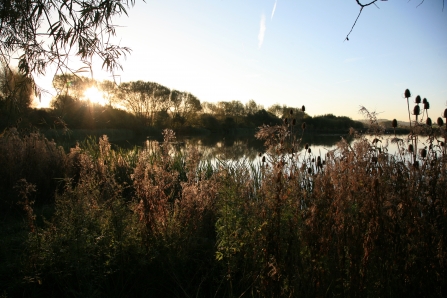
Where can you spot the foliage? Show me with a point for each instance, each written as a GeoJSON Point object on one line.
{"type": "Point", "coordinates": [15, 95]}
{"type": "Point", "coordinates": [43, 33]}
{"type": "Point", "coordinates": [357, 221]}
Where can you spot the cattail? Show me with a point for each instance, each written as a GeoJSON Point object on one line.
{"type": "Point", "coordinates": [410, 148]}
{"type": "Point", "coordinates": [423, 153]}
{"type": "Point", "coordinates": [306, 146]}
{"type": "Point", "coordinates": [428, 121]}
{"type": "Point", "coordinates": [394, 124]}
{"type": "Point", "coordinates": [417, 99]}
{"type": "Point", "coordinates": [407, 93]}
{"type": "Point", "coordinates": [303, 108]}
{"type": "Point", "coordinates": [303, 126]}
{"type": "Point", "coordinates": [440, 121]}
{"type": "Point", "coordinates": [426, 105]}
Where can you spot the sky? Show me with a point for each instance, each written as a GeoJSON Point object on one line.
{"type": "Point", "coordinates": [290, 52]}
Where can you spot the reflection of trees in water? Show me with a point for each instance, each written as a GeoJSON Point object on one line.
{"type": "Point", "coordinates": [236, 148]}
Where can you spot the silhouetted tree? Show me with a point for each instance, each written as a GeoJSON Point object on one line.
{"type": "Point", "coordinates": [39, 33]}
{"type": "Point", "coordinates": [15, 93]}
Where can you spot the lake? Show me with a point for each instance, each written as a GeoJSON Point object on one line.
{"type": "Point", "coordinates": [248, 147]}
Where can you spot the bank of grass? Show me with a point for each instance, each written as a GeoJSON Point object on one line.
{"type": "Point", "coordinates": [99, 222]}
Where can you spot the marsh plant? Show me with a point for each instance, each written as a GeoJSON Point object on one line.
{"type": "Point", "coordinates": [353, 221]}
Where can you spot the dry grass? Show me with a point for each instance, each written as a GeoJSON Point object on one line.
{"type": "Point", "coordinates": [357, 221]}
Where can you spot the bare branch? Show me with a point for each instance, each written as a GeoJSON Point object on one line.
{"type": "Point", "coordinates": [368, 4]}
{"type": "Point", "coordinates": [360, 12]}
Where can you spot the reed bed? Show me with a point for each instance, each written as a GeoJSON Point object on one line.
{"type": "Point", "coordinates": [353, 222]}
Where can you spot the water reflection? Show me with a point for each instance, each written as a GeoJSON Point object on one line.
{"type": "Point", "coordinates": [234, 147]}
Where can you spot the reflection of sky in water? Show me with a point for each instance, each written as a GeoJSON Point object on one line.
{"type": "Point", "coordinates": [248, 148]}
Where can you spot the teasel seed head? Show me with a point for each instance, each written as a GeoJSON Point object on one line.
{"type": "Point", "coordinates": [440, 121]}
{"type": "Point", "coordinates": [278, 177]}
{"type": "Point", "coordinates": [426, 105]}
{"type": "Point", "coordinates": [423, 153]}
{"type": "Point", "coordinates": [313, 159]}
{"type": "Point", "coordinates": [416, 164]}
{"type": "Point", "coordinates": [286, 121]}
{"type": "Point", "coordinates": [424, 100]}
{"type": "Point", "coordinates": [309, 170]}
{"type": "Point", "coordinates": [306, 146]}
{"type": "Point", "coordinates": [303, 126]}
{"type": "Point", "coordinates": [294, 122]}
{"type": "Point", "coordinates": [303, 108]}
{"type": "Point", "coordinates": [309, 150]}
{"type": "Point", "coordinates": [445, 113]}
{"type": "Point", "coordinates": [416, 110]}
{"type": "Point", "coordinates": [263, 159]}
{"type": "Point", "coordinates": [394, 124]}
{"type": "Point", "coordinates": [291, 112]}
{"type": "Point", "coordinates": [410, 148]}
{"type": "Point", "coordinates": [319, 162]}
{"type": "Point", "coordinates": [417, 99]}
{"type": "Point", "coordinates": [407, 93]}
{"type": "Point", "coordinates": [428, 121]}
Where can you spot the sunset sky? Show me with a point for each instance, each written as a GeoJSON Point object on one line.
{"type": "Point", "coordinates": [290, 52]}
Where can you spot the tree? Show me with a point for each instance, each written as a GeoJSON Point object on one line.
{"type": "Point", "coordinates": [45, 32]}
{"type": "Point", "coordinates": [73, 85]}
{"type": "Point", "coordinates": [15, 92]}
{"type": "Point", "coordinates": [369, 3]}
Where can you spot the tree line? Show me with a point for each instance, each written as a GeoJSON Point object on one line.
{"type": "Point", "coordinates": [139, 105]}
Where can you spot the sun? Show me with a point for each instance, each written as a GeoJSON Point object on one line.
{"type": "Point", "coordinates": [95, 96]}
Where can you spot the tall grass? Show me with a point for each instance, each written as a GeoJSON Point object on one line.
{"type": "Point", "coordinates": [355, 221]}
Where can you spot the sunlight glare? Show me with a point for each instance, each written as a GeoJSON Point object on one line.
{"type": "Point", "coordinates": [95, 96]}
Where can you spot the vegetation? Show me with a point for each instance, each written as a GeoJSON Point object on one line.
{"type": "Point", "coordinates": [358, 221]}
{"type": "Point", "coordinates": [144, 106]}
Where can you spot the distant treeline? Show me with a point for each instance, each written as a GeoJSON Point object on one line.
{"type": "Point", "coordinates": [142, 106]}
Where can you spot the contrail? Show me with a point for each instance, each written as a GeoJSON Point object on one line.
{"type": "Point", "coordinates": [261, 31]}
{"type": "Point", "coordinates": [274, 8]}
